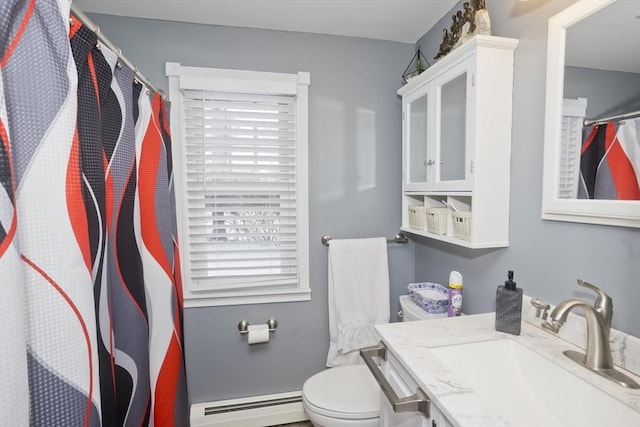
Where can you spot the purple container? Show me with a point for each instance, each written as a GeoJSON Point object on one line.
{"type": "Point", "coordinates": [455, 294]}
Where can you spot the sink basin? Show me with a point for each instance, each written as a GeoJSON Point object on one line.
{"type": "Point", "coordinates": [529, 390]}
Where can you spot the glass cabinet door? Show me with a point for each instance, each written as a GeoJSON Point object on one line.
{"type": "Point", "coordinates": [418, 130]}
{"type": "Point", "coordinates": [436, 135]}
{"type": "Point", "coordinates": [453, 120]}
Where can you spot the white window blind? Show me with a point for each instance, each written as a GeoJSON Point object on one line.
{"type": "Point", "coordinates": [241, 189]}
{"type": "Point", "coordinates": [573, 113]}
{"type": "Point", "coordinates": [241, 184]}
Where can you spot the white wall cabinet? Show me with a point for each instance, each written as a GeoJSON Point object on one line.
{"type": "Point", "coordinates": [435, 127]}
{"type": "Point", "coordinates": [456, 141]}
{"type": "Point", "coordinates": [404, 386]}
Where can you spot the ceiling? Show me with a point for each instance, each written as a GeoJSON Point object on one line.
{"type": "Point", "coordinates": [395, 20]}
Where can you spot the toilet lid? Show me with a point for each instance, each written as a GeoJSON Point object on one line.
{"type": "Point", "coordinates": [348, 392]}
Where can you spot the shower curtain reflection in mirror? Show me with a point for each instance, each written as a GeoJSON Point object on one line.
{"type": "Point", "coordinates": [610, 161]}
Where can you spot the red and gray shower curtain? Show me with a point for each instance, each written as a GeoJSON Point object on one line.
{"type": "Point", "coordinates": [610, 161]}
{"type": "Point", "coordinates": [90, 299]}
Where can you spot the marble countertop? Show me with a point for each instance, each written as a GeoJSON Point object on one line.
{"type": "Point", "coordinates": [410, 343]}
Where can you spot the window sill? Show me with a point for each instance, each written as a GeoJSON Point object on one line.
{"type": "Point", "coordinates": [245, 297]}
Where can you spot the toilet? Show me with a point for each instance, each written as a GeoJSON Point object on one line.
{"type": "Point", "coordinates": [349, 396]}
{"type": "Point", "coordinates": [409, 310]}
{"type": "Point", "coordinates": [344, 396]}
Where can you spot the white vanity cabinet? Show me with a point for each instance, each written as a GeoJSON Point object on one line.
{"type": "Point", "coordinates": [404, 386]}
{"type": "Point", "coordinates": [456, 140]}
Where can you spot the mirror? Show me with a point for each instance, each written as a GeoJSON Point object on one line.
{"type": "Point", "coordinates": [593, 72]}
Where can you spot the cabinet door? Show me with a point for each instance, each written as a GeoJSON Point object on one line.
{"type": "Point", "coordinates": [416, 134]}
{"type": "Point", "coordinates": [452, 151]}
{"type": "Point", "coordinates": [389, 418]}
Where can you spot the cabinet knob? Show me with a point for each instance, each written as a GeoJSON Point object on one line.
{"type": "Point", "coordinates": [429, 162]}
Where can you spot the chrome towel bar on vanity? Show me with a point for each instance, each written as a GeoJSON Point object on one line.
{"type": "Point", "coordinates": [419, 401]}
{"type": "Point", "coordinates": [398, 238]}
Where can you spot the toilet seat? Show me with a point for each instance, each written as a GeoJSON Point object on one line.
{"type": "Point", "coordinates": [345, 392]}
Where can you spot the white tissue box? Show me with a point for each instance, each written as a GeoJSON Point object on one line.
{"type": "Point", "coordinates": [431, 297]}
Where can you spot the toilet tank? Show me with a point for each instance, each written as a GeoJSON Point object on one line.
{"type": "Point", "coordinates": [411, 311]}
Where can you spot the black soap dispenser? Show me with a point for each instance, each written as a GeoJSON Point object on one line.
{"type": "Point", "coordinates": [509, 306]}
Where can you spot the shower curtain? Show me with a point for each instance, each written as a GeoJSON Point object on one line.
{"type": "Point", "coordinates": [610, 161]}
{"type": "Point", "coordinates": [90, 295]}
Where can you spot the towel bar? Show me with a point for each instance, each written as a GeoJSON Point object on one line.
{"type": "Point", "coordinates": [419, 401]}
{"type": "Point", "coordinates": [398, 238]}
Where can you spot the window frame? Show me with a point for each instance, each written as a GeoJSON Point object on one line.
{"type": "Point", "coordinates": [251, 82]}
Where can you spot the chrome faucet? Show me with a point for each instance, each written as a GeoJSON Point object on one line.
{"type": "Point", "coordinates": [598, 317]}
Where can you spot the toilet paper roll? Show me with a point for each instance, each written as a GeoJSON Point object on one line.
{"type": "Point", "coordinates": [258, 333]}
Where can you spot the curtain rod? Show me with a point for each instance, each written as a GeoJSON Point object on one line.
{"type": "Point", "coordinates": [632, 115]}
{"type": "Point", "coordinates": [102, 38]}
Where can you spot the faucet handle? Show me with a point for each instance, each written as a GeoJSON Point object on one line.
{"type": "Point", "coordinates": [603, 301]}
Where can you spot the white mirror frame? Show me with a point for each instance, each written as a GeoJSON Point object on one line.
{"type": "Point", "coordinates": [605, 212]}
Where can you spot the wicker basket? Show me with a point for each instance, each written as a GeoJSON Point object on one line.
{"type": "Point", "coordinates": [461, 225]}
{"type": "Point", "coordinates": [437, 220]}
{"type": "Point", "coordinates": [416, 217]}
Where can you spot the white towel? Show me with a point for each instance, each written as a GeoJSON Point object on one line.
{"type": "Point", "coordinates": [358, 296]}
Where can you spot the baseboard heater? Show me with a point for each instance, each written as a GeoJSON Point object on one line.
{"type": "Point", "coordinates": [256, 411]}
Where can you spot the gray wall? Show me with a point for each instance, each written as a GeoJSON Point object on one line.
{"type": "Point", "coordinates": [354, 188]}
{"type": "Point", "coordinates": [547, 256]}
{"type": "Point", "coordinates": [354, 184]}
{"type": "Point", "coordinates": [607, 92]}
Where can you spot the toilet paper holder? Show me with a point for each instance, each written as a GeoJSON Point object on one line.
{"type": "Point", "coordinates": [243, 326]}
